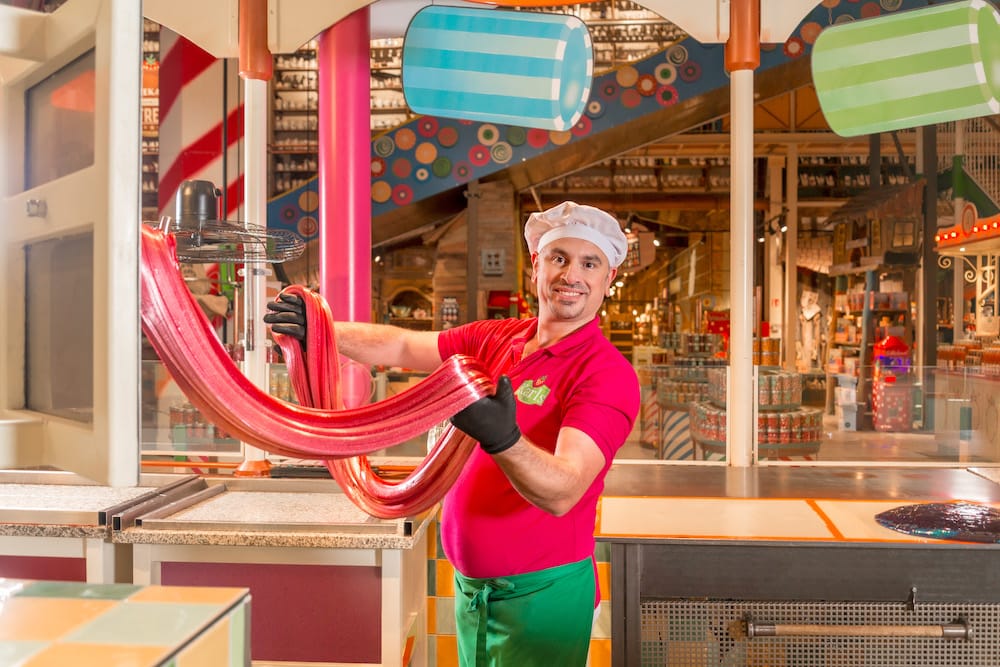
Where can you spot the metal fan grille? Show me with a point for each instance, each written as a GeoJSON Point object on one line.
{"type": "Point", "coordinates": [689, 633]}
{"type": "Point", "coordinates": [221, 241]}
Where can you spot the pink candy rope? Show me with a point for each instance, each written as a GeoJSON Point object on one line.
{"type": "Point", "coordinates": [189, 348]}
{"type": "Point", "coordinates": [430, 480]}
{"type": "Point", "coordinates": [419, 490]}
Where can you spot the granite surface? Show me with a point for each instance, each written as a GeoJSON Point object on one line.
{"type": "Point", "coordinates": [52, 530]}
{"type": "Point", "coordinates": [275, 538]}
{"type": "Point", "coordinates": [46, 497]}
{"type": "Point", "coordinates": [59, 510]}
{"type": "Point", "coordinates": [284, 519]}
{"type": "Point", "coordinates": [231, 518]}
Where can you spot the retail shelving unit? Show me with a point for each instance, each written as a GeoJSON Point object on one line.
{"type": "Point", "coordinates": [647, 174]}
{"type": "Point", "coordinates": [150, 119]}
{"type": "Point", "coordinates": [388, 106]}
{"type": "Point", "coordinates": [862, 316]}
{"type": "Point", "coordinates": [622, 31]}
{"type": "Point", "coordinates": [294, 119]}
{"type": "Point", "coordinates": [785, 429]}
{"type": "Point", "coordinates": [621, 332]}
{"type": "Point", "coordinates": [843, 176]}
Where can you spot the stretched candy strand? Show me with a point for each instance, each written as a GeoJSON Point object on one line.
{"type": "Point", "coordinates": [189, 348]}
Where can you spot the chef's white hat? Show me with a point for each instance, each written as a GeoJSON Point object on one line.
{"type": "Point", "coordinates": [572, 220]}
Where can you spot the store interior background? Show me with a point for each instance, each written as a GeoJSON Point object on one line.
{"type": "Point", "coordinates": [852, 230]}
{"type": "Point", "coordinates": [867, 389]}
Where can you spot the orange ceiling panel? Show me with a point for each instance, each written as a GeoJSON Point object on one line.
{"type": "Point", "coordinates": [808, 115]}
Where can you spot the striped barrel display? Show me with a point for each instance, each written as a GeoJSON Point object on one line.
{"type": "Point", "coordinates": [914, 68]}
{"type": "Point", "coordinates": [675, 435]}
{"type": "Point", "coordinates": [498, 66]}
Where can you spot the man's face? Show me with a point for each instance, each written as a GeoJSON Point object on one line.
{"type": "Point", "coordinates": [572, 277]}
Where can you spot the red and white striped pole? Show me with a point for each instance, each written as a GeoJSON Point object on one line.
{"type": "Point", "coordinates": [200, 131]}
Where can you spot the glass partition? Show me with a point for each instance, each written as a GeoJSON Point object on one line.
{"type": "Point", "coordinates": [940, 415]}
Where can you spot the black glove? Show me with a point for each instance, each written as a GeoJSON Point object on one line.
{"type": "Point", "coordinates": [287, 315]}
{"type": "Point", "coordinates": [492, 420]}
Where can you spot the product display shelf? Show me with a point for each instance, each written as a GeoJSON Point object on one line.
{"type": "Point", "coordinates": [150, 120]}
{"type": "Point", "coordinates": [621, 333]}
{"type": "Point", "coordinates": [293, 144]}
{"type": "Point", "coordinates": [647, 174]}
{"type": "Point", "coordinates": [680, 383]}
{"type": "Point", "coordinates": [843, 176]}
{"type": "Point", "coordinates": [864, 313]}
{"type": "Point", "coordinates": [622, 31]}
{"type": "Point", "coordinates": [171, 426]}
{"type": "Point", "coordinates": [785, 428]}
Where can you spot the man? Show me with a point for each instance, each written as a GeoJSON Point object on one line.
{"type": "Point", "coordinates": [518, 523]}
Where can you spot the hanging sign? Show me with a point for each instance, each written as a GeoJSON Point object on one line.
{"type": "Point", "coordinates": [517, 68]}
{"type": "Point", "coordinates": [913, 68]}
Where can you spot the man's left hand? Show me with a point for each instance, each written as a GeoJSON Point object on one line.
{"type": "Point", "coordinates": [492, 420]}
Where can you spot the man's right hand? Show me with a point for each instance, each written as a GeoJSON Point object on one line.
{"type": "Point", "coordinates": [287, 315]}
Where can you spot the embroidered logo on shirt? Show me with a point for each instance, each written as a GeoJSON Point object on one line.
{"type": "Point", "coordinates": [532, 392]}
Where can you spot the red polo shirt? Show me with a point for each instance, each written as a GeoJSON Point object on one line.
{"type": "Point", "coordinates": [487, 528]}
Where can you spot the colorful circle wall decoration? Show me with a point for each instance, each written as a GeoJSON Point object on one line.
{"type": "Point", "coordinates": [666, 73]}
{"type": "Point", "coordinates": [447, 137]}
{"type": "Point", "coordinates": [501, 152]}
{"type": "Point", "coordinates": [307, 227]}
{"type": "Point", "coordinates": [488, 134]}
{"type": "Point", "coordinates": [426, 152]}
{"type": "Point", "coordinates": [427, 126]}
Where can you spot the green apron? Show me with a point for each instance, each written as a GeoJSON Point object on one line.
{"type": "Point", "coordinates": [541, 618]}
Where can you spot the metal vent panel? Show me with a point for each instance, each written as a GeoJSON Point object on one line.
{"type": "Point", "coordinates": [683, 633]}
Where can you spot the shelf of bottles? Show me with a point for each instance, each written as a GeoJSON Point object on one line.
{"type": "Point", "coordinates": [648, 174]}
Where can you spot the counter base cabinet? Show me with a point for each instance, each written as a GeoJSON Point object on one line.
{"type": "Point", "coordinates": [48, 568]}
{"type": "Point", "coordinates": [343, 606]}
{"type": "Point", "coordinates": [687, 604]}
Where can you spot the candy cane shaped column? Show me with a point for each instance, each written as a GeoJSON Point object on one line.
{"type": "Point", "coordinates": [195, 143]}
{"type": "Point", "coordinates": [200, 131]}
